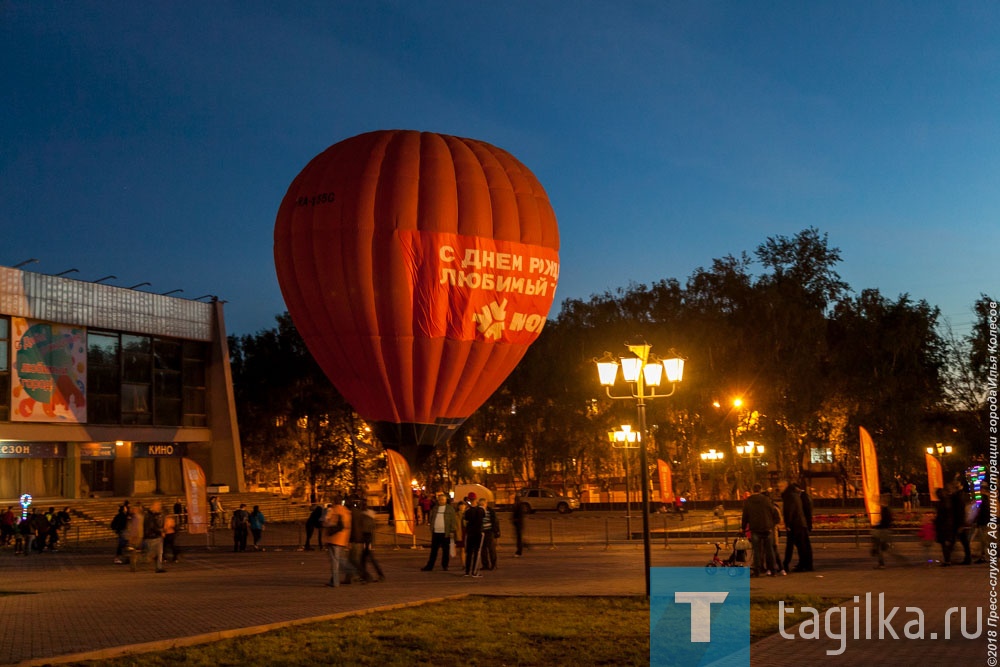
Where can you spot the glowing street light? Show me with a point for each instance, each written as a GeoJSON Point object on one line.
{"type": "Point", "coordinates": [626, 439]}
{"type": "Point", "coordinates": [939, 449]}
{"type": "Point", "coordinates": [712, 457]}
{"type": "Point", "coordinates": [643, 372]}
{"type": "Point", "coordinates": [751, 450]}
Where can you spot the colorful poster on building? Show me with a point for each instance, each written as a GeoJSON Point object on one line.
{"type": "Point", "coordinates": [195, 493]}
{"type": "Point", "coordinates": [49, 373]}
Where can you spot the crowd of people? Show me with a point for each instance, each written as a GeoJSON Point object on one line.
{"type": "Point", "coordinates": [34, 531]}
{"type": "Point", "coordinates": [955, 521]}
{"type": "Point", "coordinates": [466, 531]}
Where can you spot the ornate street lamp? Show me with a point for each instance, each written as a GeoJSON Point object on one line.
{"type": "Point", "coordinates": [750, 450]}
{"type": "Point", "coordinates": [939, 449]}
{"type": "Point", "coordinates": [713, 457]}
{"type": "Point", "coordinates": [626, 439]}
{"type": "Point", "coordinates": [643, 372]}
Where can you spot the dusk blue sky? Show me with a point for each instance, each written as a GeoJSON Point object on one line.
{"type": "Point", "coordinates": [155, 140]}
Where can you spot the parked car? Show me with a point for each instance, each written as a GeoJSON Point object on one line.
{"type": "Point", "coordinates": [533, 500]}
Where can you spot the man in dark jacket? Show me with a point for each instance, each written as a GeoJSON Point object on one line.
{"type": "Point", "coordinates": [758, 519]}
{"type": "Point", "coordinates": [797, 526]}
{"type": "Point", "coordinates": [312, 523]}
{"type": "Point", "coordinates": [473, 522]}
{"type": "Point", "coordinates": [240, 523]}
{"type": "Point", "coordinates": [517, 518]}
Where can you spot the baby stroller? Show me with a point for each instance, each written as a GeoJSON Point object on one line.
{"type": "Point", "coordinates": [739, 557]}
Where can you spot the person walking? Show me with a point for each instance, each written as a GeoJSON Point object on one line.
{"type": "Point", "coordinates": [134, 534]}
{"type": "Point", "coordinates": [153, 530]}
{"type": "Point", "coordinates": [119, 524]}
{"type": "Point", "coordinates": [945, 531]}
{"type": "Point", "coordinates": [426, 503]}
{"type": "Point", "coordinates": [368, 547]}
{"type": "Point", "coordinates": [336, 527]}
{"type": "Point", "coordinates": [170, 537]}
{"type": "Point", "coordinates": [214, 509]}
{"type": "Point", "coordinates": [491, 531]}
{"type": "Point", "coordinates": [443, 522]}
{"type": "Point", "coordinates": [927, 536]}
{"type": "Point", "coordinates": [882, 532]}
{"type": "Point", "coordinates": [796, 529]}
{"type": "Point", "coordinates": [357, 538]}
{"type": "Point", "coordinates": [178, 512]}
{"type": "Point", "coordinates": [960, 509]}
{"type": "Point", "coordinates": [257, 522]}
{"type": "Point", "coordinates": [39, 530]}
{"type": "Point", "coordinates": [64, 519]}
{"type": "Point", "coordinates": [312, 523]}
{"type": "Point", "coordinates": [517, 518]}
{"type": "Point", "coordinates": [8, 520]}
{"type": "Point", "coordinates": [758, 519]}
{"type": "Point", "coordinates": [908, 490]}
{"type": "Point", "coordinates": [240, 523]}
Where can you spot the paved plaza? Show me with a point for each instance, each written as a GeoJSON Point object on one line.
{"type": "Point", "coordinates": [76, 604]}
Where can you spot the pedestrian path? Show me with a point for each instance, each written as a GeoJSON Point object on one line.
{"type": "Point", "coordinates": [74, 605]}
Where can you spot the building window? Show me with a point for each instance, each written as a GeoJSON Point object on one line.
{"type": "Point", "coordinates": [4, 369]}
{"type": "Point", "coordinates": [140, 380]}
{"type": "Point", "coordinates": [104, 378]}
{"type": "Point", "coordinates": [195, 365]}
{"type": "Point", "coordinates": [821, 455]}
{"type": "Point", "coordinates": [166, 382]}
{"type": "Point", "coordinates": [137, 378]}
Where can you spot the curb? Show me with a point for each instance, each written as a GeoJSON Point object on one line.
{"type": "Point", "coordinates": [210, 637]}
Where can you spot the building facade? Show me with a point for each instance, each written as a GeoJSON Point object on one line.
{"type": "Point", "coordinates": [104, 390]}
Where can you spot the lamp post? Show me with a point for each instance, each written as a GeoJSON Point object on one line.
{"type": "Point", "coordinates": [734, 408]}
{"type": "Point", "coordinates": [713, 457]}
{"type": "Point", "coordinates": [643, 372]}
{"type": "Point", "coordinates": [941, 451]}
{"type": "Point", "coordinates": [626, 439]}
{"type": "Point", "coordinates": [750, 450]}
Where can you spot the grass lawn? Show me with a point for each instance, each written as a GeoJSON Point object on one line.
{"type": "Point", "coordinates": [475, 630]}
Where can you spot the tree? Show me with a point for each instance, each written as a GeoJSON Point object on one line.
{"type": "Point", "coordinates": [293, 422]}
{"type": "Point", "coordinates": [887, 361]}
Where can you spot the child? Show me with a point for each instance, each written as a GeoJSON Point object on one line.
{"type": "Point", "coordinates": [927, 536]}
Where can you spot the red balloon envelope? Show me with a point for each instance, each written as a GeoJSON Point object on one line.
{"type": "Point", "coordinates": [418, 268]}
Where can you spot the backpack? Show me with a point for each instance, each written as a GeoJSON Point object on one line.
{"type": "Point", "coordinates": [240, 519]}
{"type": "Point", "coordinates": [119, 523]}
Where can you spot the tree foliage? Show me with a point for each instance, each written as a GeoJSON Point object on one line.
{"type": "Point", "coordinates": [811, 359]}
{"type": "Point", "coordinates": [294, 424]}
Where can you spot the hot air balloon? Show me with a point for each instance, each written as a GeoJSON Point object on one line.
{"type": "Point", "coordinates": [418, 268]}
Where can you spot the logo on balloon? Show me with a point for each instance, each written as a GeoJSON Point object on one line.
{"type": "Point", "coordinates": [489, 319]}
